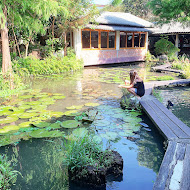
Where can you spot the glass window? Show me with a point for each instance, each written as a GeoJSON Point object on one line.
{"type": "Point", "coordinates": [111, 39]}
{"type": "Point", "coordinates": [85, 39]}
{"type": "Point", "coordinates": [122, 39]}
{"type": "Point", "coordinates": [129, 39]}
{"type": "Point", "coordinates": [142, 40]}
{"type": "Point", "coordinates": [94, 39]}
{"type": "Point", "coordinates": [104, 36]}
{"type": "Point", "coordinates": [136, 39]}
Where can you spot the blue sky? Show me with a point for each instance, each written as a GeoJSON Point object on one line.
{"type": "Point", "coordinates": [102, 2]}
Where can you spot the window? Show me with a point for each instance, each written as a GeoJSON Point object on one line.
{"type": "Point", "coordinates": [104, 37]}
{"type": "Point", "coordinates": [132, 39]}
{"type": "Point", "coordinates": [85, 39]}
{"type": "Point", "coordinates": [136, 39]}
{"type": "Point", "coordinates": [111, 39]}
{"type": "Point", "coordinates": [129, 39]}
{"type": "Point", "coordinates": [122, 39]}
{"type": "Point", "coordinates": [142, 40]}
{"type": "Point", "coordinates": [92, 39]}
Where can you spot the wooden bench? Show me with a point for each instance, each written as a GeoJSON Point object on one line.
{"type": "Point", "coordinates": [174, 172]}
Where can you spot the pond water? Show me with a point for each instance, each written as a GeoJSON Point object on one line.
{"type": "Point", "coordinates": [180, 97]}
{"type": "Point", "coordinates": [93, 91]}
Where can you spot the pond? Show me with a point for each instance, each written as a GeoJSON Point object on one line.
{"type": "Point", "coordinates": [180, 98]}
{"type": "Point", "coordinates": [52, 100]}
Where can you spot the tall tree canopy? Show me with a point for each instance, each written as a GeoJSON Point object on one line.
{"type": "Point", "coordinates": [24, 14]}
{"type": "Point", "coordinates": [171, 10]}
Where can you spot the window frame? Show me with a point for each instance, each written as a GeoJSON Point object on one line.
{"type": "Point", "coordinates": [99, 40]}
{"type": "Point", "coordinates": [133, 32]}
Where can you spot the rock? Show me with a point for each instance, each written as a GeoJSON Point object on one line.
{"type": "Point", "coordinates": [94, 177]}
{"type": "Point", "coordinates": [130, 101]}
{"type": "Point", "coordinates": [163, 58]}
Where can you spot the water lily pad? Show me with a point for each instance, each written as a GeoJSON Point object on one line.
{"type": "Point", "coordinates": [58, 97]}
{"type": "Point", "coordinates": [27, 115]}
{"type": "Point", "coordinates": [97, 138]}
{"type": "Point", "coordinates": [41, 124]}
{"type": "Point", "coordinates": [8, 119]}
{"type": "Point", "coordinates": [55, 126]}
{"type": "Point", "coordinates": [70, 124]}
{"type": "Point", "coordinates": [25, 124]}
{"type": "Point", "coordinates": [92, 104]}
{"type": "Point", "coordinates": [126, 133]}
{"type": "Point", "coordinates": [34, 103]}
{"type": "Point", "coordinates": [74, 107]}
{"type": "Point", "coordinates": [80, 132]}
{"type": "Point", "coordinates": [72, 112]}
{"type": "Point", "coordinates": [101, 123]}
{"type": "Point", "coordinates": [56, 114]}
{"type": "Point", "coordinates": [42, 133]}
{"type": "Point", "coordinates": [6, 129]}
{"type": "Point", "coordinates": [26, 96]}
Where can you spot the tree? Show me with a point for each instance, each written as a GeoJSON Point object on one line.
{"type": "Point", "coordinates": [79, 13]}
{"type": "Point", "coordinates": [137, 8]}
{"type": "Point", "coordinates": [28, 15]}
{"type": "Point", "coordinates": [171, 10]}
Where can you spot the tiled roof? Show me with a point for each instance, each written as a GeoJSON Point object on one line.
{"type": "Point", "coordinates": [174, 27]}
{"type": "Point", "coordinates": [119, 18]}
{"type": "Point", "coordinates": [116, 28]}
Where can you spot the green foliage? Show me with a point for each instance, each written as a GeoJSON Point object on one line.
{"type": "Point", "coordinates": [8, 176]}
{"type": "Point", "coordinates": [163, 46]}
{"type": "Point", "coordinates": [48, 66]}
{"type": "Point", "coordinates": [149, 58]}
{"type": "Point", "coordinates": [165, 77]}
{"type": "Point", "coordinates": [84, 151]}
{"type": "Point", "coordinates": [137, 7]}
{"type": "Point", "coordinates": [171, 10]}
{"type": "Point", "coordinates": [182, 63]}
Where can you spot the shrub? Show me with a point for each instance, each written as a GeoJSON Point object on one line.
{"type": "Point", "coordinates": [84, 151]}
{"type": "Point", "coordinates": [8, 176]}
{"type": "Point", "coordinates": [50, 65]}
{"type": "Point", "coordinates": [165, 47]}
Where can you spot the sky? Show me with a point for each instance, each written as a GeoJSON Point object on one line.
{"type": "Point", "coordinates": [101, 2]}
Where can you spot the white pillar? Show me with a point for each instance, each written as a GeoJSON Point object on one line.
{"type": "Point", "coordinates": [146, 41]}
{"type": "Point", "coordinates": [117, 40]}
{"type": "Point", "coordinates": [77, 41]}
{"type": "Point", "coordinates": [177, 42]}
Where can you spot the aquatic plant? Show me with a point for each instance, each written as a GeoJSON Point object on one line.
{"type": "Point", "coordinates": [157, 94]}
{"type": "Point", "coordinates": [84, 151]}
{"type": "Point", "coordinates": [8, 176]}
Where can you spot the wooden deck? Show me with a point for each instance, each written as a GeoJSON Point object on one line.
{"type": "Point", "coordinates": [166, 68]}
{"type": "Point", "coordinates": [174, 173]}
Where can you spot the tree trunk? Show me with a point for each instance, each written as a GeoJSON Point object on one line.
{"type": "Point", "coordinates": [65, 42]}
{"type": "Point", "coordinates": [26, 50]}
{"type": "Point", "coordinates": [16, 42]}
{"type": "Point", "coordinates": [53, 30]}
{"type": "Point", "coordinates": [6, 57]}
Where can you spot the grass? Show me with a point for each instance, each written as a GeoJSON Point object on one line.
{"type": "Point", "coordinates": [165, 77]}
{"type": "Point", "coordinates": [85, 151]}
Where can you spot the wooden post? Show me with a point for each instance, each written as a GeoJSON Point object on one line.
{"type": "Point", "coordinates": [177, 42]}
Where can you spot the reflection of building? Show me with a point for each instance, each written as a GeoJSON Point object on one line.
{"type": "Point", "coordinates": [177, 33]}
{"type": "Point", "coordinates": [119, 37]}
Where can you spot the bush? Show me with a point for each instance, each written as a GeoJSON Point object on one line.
{"type": "Point", "coordinates": [84, 151]}
{"type": "Point", "coordinates": [165, 47]}
{"type": "Point", "coordinates": [48, 66]}
{"type": "Point", "coordinates": [8, 176]}
{"type": "Point", "coordinates": [182, 63]}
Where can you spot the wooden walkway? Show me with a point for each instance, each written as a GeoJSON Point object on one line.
{"type": "Point", "coordinates": [174, 173]}
{"type": "Point", "coordinates": [166, 68]}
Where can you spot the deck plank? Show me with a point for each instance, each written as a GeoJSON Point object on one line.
{"type": "Point", "coordinates": [170, 123]}
{"type": "Point", "coordinates": [164, 171]}
{"type": "Point", "coordinates": [166, 131]}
